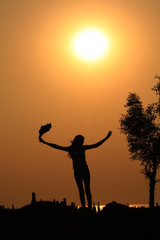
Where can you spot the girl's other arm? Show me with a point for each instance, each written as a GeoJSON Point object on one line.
{"type": "Point", "coordinates": [98, 143]}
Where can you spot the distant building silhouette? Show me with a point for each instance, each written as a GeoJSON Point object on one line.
{"type": "Point", "coordinates": [98, 207]}
{"type": "Point", "coordinates": [64, 202]}
{"type": "Point", "coordinates": [33, 198]}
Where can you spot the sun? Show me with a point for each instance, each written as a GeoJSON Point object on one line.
{"type": "Point", "coordinates": [90, 44]}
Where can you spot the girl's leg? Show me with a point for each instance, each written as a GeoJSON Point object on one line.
{"type": "Point", "coordinates": [79, 182]}
{"type": "Point", "coordinates": [87, 188]}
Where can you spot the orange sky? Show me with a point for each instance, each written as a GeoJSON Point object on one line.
{"type": "Point", "coordinates": [43, 81]}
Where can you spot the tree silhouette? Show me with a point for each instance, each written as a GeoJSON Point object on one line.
{"type": "Point", "coordinates": [156, 88]}
{"type": "Point", "coordinates": [142, 129]}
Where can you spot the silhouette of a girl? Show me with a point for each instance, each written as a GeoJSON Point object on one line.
{"type": "Point", "coordinates": [81, 172]}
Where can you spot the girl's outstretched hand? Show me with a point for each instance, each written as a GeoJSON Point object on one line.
{"type": "Point", "coordinates": [109, 134]}
{"type": "Point", "coordinates": [44, 129]}
{"type": "Point", "coordinates": [41, 140]}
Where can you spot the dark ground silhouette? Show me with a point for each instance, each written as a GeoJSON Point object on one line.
{"type": "Point", "coordinates": [48, 220]}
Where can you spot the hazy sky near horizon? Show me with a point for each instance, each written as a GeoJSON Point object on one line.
{"type": "Point", "coordinates": [43, 81]}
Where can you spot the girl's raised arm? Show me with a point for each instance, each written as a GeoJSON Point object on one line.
{"type": "Point", "coordinates": [98, 143]}
{"type": "Point", "coordinates": [54, 145]}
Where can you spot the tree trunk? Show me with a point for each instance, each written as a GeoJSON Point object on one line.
{"type": "Point", "coordinates": [151, 192]}
{"type": "Point", "coordinates": [152, 184]}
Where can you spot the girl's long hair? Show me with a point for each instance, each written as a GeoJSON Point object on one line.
{"type": "Point", "coordinates": [75, 144]}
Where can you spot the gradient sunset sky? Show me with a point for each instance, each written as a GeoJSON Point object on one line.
{"type": "Point", "coordinates": [43, 81]}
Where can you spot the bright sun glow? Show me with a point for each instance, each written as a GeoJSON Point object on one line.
{"type": "Point", "coordinates": [90, 44]}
